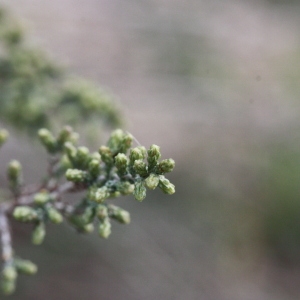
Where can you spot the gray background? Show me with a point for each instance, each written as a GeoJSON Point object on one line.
{"type": "Point", "coordinates": [215, 84]}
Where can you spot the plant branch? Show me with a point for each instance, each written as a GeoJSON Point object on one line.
{"type": "Point", "coordinates": [7, 252]}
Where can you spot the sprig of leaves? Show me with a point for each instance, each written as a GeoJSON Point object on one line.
{"type": "Point", "coordinates": [116, 169]}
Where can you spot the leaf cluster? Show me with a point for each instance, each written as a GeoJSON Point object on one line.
{"type": "Point", "coordinates": [116, 169]}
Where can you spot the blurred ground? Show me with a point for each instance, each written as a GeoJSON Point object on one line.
{"type": "Point", "coordinates": [216, 85]}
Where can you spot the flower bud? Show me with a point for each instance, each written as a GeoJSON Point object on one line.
{"type": "Point", "coordinates": [3, 136]}
{"type": "Point", "coordinates": [153, 156]}
{"type": "Point", "coordinates": [104, 229]}
{"type": "Point", "coordinates": [151, 182]}
{"type": "Point", "coordinates": [119, 214]}
{"type": "Point", "coordinates": [102, 211]}
{"type": "Point", "coordinates": [143, 151]}
{"type": "Point", "coordinates": [14, 170]}
{"type": "Point", "coordinates": [141, 168]}
{"type": "Point", "coordinates": [14, 174]}
{"type": "Point", "coordinates": [41, 198]}
{"type": "Point", "coordinates": [75, 175]}
{"type": "Point", "coordinates": [25, 266]}
{"type": "Point", "coordinates": [48, 140]}
{"type": "Point", "coordinates": [139, 191]}
{"type": "Point", "coordinates": [106, 155]}
{"type": "Point", "coordinates": [165, 166]}
{"type": "Point", "coordinates": [98, 194]}
{"type": "Point", "coordinates": [88, 228]}
{"type": "Point", "coordinates": [67, 135]}
{"type": "Point", "coordinates": [82, 157]}
{"type": "Point", "coordinates": [38, 234]}
{"type": "Point", "coordinates": [166, 186]}
{"type": "Point", "coordinates": [126, 143]}
{"type": "Point", "coordinates": [88, 215]}
{"type": "Point", "coordinates": [115, 140]}
{"type": "Point", "coordinates": [54, 215]}
{"type": "Point", "coordinates": [94, 167]}
{"type": "Point", "coordinates": [96, 155]}
{"type": "Point", "coordinates": [121, 162]}
{"type": "Point", "coordinates": [25, 214]}
{"type": "Point", "coordinates": [64, 134]}
{"type": "Point", "coordinates": [135, 154]}
{"type": "Point", "coordinates": [8, 286]}
{"type": "Point", "coordinates": [9, 273]}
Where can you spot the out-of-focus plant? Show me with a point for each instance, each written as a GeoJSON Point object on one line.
{"type": "Point", "coordinates": [280, 222]}
{"type": "Point", "coordinates": [32, 90]}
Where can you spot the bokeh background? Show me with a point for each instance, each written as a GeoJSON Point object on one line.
{"type": "Point", "coordinates": [216, 85]}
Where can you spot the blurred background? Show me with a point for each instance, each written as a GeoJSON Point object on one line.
{"type": "Point", "coordinates": [216, 85]}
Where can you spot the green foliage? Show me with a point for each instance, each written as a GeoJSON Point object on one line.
{"type": "Point", "coordinates": [280, 222]}
{"type": "Point", "coordinates": [115, 170]}
{"type": "Point", "coordinates": [33, 88]}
